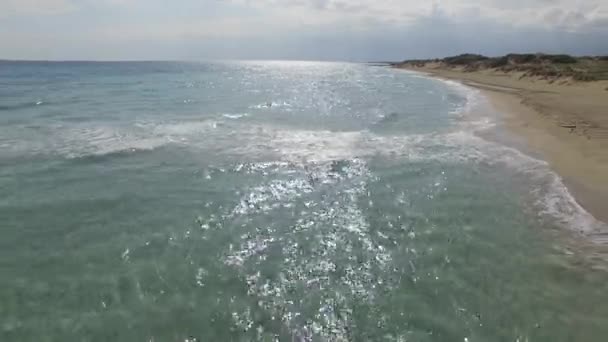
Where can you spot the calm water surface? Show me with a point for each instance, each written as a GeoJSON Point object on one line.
{"type": "Point", "coordinates": [278, 201]}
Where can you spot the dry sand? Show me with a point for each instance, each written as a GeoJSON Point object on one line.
{"type": "Point", "coordinates": [566, 122]}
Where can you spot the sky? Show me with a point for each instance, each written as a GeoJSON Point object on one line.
{"type": "Point", "coordinates": [350, 30]}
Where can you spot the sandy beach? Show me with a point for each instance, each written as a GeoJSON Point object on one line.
{"type": "Point", "coordinates": [564, 121]}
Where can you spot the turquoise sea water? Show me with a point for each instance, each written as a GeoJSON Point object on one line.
{"type": "Point", "coordinates": [279, 201]}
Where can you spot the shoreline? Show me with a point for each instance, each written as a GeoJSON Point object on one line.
{"type": "Point", "coordinates": [539, 113]}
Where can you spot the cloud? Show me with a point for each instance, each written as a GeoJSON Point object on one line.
{"type": "Point", "coordinates": [309, 29]}
{"type": "Point", "coordinates": [534, 13]}
{"type": "Point", "coordinates": [572, 15]}
{"type": "Point", "coordinates": [34, 7]}
{"type": "Point", "coordinates": [17, 8]}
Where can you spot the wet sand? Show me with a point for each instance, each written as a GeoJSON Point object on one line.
{"type": "Point", "coordinates": [564, 121]}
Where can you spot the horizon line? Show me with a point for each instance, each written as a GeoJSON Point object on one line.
{"type": "Point", "coordinates": [68, 60]}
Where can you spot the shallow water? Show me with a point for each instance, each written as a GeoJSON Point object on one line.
{"type": "Point", "coordinates": [263, 201]}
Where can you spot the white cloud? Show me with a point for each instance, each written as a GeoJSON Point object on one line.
{"type": "Point", "coordinates": [545, 13]}
{"type": "Point", "coordinates": [570, 14]}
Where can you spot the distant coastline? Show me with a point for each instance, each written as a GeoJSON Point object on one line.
{"type": "Point", "coordinates": [558, 104]}
{"type": "Point", "coordinates": [547, 67]}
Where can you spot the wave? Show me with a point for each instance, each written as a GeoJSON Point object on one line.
{"type": "Point", "coordinates": [553, 197]}
{"type": "Point", "coordinates": [78, 139]}
{"type": "Point", "coordinates": [100, 155]}
{"type": "Point", "coordinates": [386, 120]}
{"type": "Point", "coordinates": [248, 142]}
{"type": "Point", "coordinates": [463, 147]}
{"type": "Point", "coordinates": [235, 116]}
{"type": "Point", "coordinates": [337, 221]}
{"type": "Point", "coordinates": [271, 104]}
{"type": "Point", "coordinates": [101, 141]}
{"type": "Point", "coordinates": [23, 105]}
{"type": "Point", "coordinates": [180, 129]}
{"type": "Point", "coordinates": [472, 96]}
{"type": "Point", "coordinates": [81, 141]}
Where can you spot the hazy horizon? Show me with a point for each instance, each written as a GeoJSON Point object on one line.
{"type": "Point", "coordinates": [323, 30]}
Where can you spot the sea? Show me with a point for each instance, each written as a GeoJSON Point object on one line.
{"type": "Point", "coordinates": [280, 201]}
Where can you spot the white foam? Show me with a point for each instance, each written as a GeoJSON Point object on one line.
{"type": "Point", "coordinates": [474, 100]}
{"type": "Point", "coordinates": [465, 147]}
{"type": "Point", "coordinates": [554, 198]}
{"type": "Point", "coordinates": [300, 147]}
{"type": "Point", "coordinates": [556, 201]}
{"type": "Point", "coordinates": [271, 104]}
{"type": "Point", "coordinates": [84, 140]}
{"type": "Point", "coordinates": [235, 116]}
{"type": "Point", "coordinates": [336, 227]}
{"type": "Point", "coordinates": [101, 140]}
{"type": "Point", "coordinates": [181, 129]}
{"type": "Point", "coordinates": [472, 96]}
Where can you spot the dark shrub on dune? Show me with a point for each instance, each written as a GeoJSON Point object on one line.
{"type": "Point", "coordinates": [564, 59]}
{"type": "Point", "coordinates": [498, 62]}
{"type": "Point", "coordinates": [464, 59]}
{"type": "Point", "coordinates": [546, 66]}
{"type": "Point", "coordinates": [522, 58]}
{"type": "Point", "coordinates": [529, 58]}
